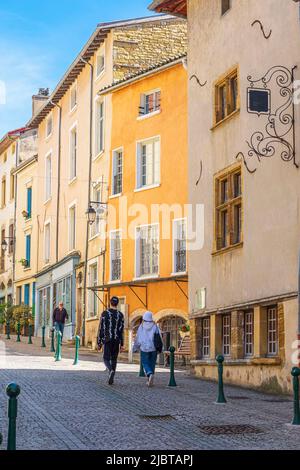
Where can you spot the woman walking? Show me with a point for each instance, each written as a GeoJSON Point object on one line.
{"type": "Point", "coordinates": [149, 341]}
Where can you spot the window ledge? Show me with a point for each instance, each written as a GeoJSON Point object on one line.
{"type": "Point", "coordinates": [114, 196]}
{"type": "Point", "coordinates": [48, 137]}
{"type": "Point", "coordinates": [98, 156]}
{"type": "Point", "coordinates": [268, 361]}
{"type": "Point", "coordinates": [100, 75]}
{"type": "Point", "coordinates": [95, 318]}
{"type": "Point", "coordinates": [144, 188]}
{"type": "Point", "coordinates": [72, 111]}
{"type": "Point", "coordinates": [47, 200]}
{"type": "Point", "coordinates": [180, 273]}
{"type": "Point", "coordinates": [94, 237]}
{"type": "Point", "coordinates": [219, 123]}
{"type": "Point", "coordinates": [143, 278]}
{"type": "Point", "coordinates": [228, 249]}
{"type": "Point", "coordinates": [117, 281]}
{"type": "Point", "coordinates": [149, 115]}
{"type": "Point", "coordinates": [72, 181]}
{"type": "Point", "coordinates": [27, 269]}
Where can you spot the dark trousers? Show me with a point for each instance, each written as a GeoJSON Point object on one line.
{"type": "Point", "coordinates": [110, 355]}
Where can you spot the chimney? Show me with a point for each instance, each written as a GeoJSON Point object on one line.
{"type": "Point", "coordinates": [39, 99]}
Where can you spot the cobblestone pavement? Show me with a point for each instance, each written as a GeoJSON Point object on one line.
{"type": "Point", "coordinates": [62, 406]}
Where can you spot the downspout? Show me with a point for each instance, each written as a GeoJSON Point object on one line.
{"type": "Point", "coordinates": [88, 200]}
{"type": "Point", "coordinates": [58, 179]}
{"type": "Point", "coordinates": [15, 221]}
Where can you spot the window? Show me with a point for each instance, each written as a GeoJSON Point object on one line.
{"type": "Point", "coordinates": [226, 5]}
{"type": "Point", "coordinates": [100, 64]}
{"type": "Point", "coordinates": [226, 334]}
{"type": "Point", "coordinates": [19, 295]}
{"type": "Point", "coordinates": [3, 192]}
{"type": "Point", "coordinates": [95, 228]}
{"type": "Point", "coordinates": [99, 127]}
{"type": "Point", "coordinates": [28, 250]}
{"type": "Point", "coordinates": [117, 172]}
{"type": "Point", "coordinates": [62, 292]}
{"type": "Point", "coordinates": [249, 332]}
{"type": "Point", "coordinates": [11, 239]}
{"type": "Point", "coordinates": [115, 255]}
{"type": "Point", "coordinates": [48, 186]}
{"type": "Point", "coordinates": [73, 153]}
{"type": "Point", "coordinates": [206, 337]}
{"type": "Point", "coordinates": [47, 243]}
{"type": "Point", "coordinates": [5, 157]}
{"type": "Point", "coordinates": [179, 246]}
{"type": "Point", "coordinates": [49, 126]}
{"type": "Point", "coordinates": [148, 163]}
{"type": "Point", "coordinates": [2, 264]}
{"type": "Point", "coordinates": [73, 96]}
{"type": "Point", "coordinates": [29, 203]}
{"type": "Point", "coordinates": [44, 305]}
{"type": "Point", "coordinates": [150, 102]}
{"type": "Point", "coordinates": [93, 282]}
{"type": "Point", "coordinates": [72, 228]}
{"type": "Point", "coordinates": [147, 250]}
{"type": "Point", "coordinates": [228, 209]}
{"type": "Point", "coordinates": [226, 96]}
{"type": "Point", "coordinates": [272, 318]}
{"type": "Point", "coordinates": [12, 187]}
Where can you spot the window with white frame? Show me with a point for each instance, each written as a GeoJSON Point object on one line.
{"type": "Point", "coordinates": [49, 126]}
{"type": "Point", "coordinates": [147, 250]}
{"type": "Point", "coordinates": [206, 337]}
{"type": "Point", "coordinates": [148, 163]}
{"type": "Point", "coordinates": [93, 282]}
{"type": "Point", "coordinates": [73, 96]}
{"type": "Point", "coordinates": [99, 127]}
{"type": "Point", "coordinates": [226, 334]}
{"type": "Point", "coordinates": [115, 255]}
{"type": "Point", "coordinates": [179, 246]}
{"type": "Point", "coordinates": [73, 153]}
{"type": "Point", "coordinates": [100, 64]}
{"type": "Point", "coordinates": [47, 243]}
{"type": "Point", "coordinates": [48, 186]}
{"type": "Point", "coordinates": [272, 319]}
{"type": "Point", "coordinates": [117, 172]}
{"type": "Point", "coordinates": [249, 332]}
{"type": "Point", "coordinates": [72, 227]}
{"type": "Point", "coordinates": [95, 228]}
{"type": "Point", "coordinates": [150, 102]}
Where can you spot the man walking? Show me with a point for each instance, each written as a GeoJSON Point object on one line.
{"type": "Point", "coordinates": [110, 336]}
{"type": "Point", "coordinates": [60, 315]}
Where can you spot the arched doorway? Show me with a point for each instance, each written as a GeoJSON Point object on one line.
{"type": "Point", "coordinates": [170, 329]}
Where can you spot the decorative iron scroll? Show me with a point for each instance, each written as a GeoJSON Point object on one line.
{"type": "Point", "coordinates": [198, 81]}
{"type": "Point", "coordinates": [266, 36]}
{"type": "Point", "coordinates": [279, 134]}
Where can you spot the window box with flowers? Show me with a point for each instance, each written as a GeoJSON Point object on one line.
{"type": "Point", "coordinates": [184, 330]}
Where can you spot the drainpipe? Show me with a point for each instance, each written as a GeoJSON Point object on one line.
{"type": "Point", "coordinates": [299, 312]}
{"type": "Point", "coordinates": [15, 221]}
{"type": "Point", "coordinates": [58, 178]}
{"type": "Point", "coordinates": [88, 200]}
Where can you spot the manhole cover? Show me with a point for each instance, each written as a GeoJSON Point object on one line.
{"type": "Point", "coordinates": [157, 417]}
{"type": "Point", "coordinates": [277, 400]}
{"type": "Point", "coordinates": [230, 429]}
{"type": "Point", "coordinates": [235, 397]}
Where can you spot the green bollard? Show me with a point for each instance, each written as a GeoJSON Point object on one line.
{"type": "Point", "coordinates": [12, 391]}
{"type": "Point", "coordinates": [77, 345]}
{"type": "Point", "coordinates": [52, 340]}
{"type": "Point", "coordinates": [30, 334]}
{"type": "Point", "coordinates": [221, 396]}
{"type": "Point", "coordinates": [142, 372]}
{"type": "Point", "coordinates": [172, 382]}
{"type": "Point", "coordinates": [43, 336]}
{"type": "Point", "coordinates": [58, 346]}
{"type": "Point", "coordinates": [7, 330]}
{"type": "Point", "coordinates": [18, 332]}
{"type": "Point", "coordinates": [295, 373]}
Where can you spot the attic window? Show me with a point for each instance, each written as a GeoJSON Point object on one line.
{"type": "Point", "coordinates": [226, 5]}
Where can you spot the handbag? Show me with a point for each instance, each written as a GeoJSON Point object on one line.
{"type": "Point", "coordinates": [158, 344]}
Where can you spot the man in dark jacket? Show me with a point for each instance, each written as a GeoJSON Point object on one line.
{"type": "Point", "coordinates": [110, 336]}
{"type": "Point", "coordinates": [60, 315]}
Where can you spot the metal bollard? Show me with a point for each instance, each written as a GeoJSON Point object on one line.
{"type": "Point", "coordinates": [295, 373]}
{"type": "Point", "coordinates": [221, 396]}
{"type": "Point", "coordinates": [30, 334]}
{"type": "Point", "coordinates": [52, 340]}
{"type": "Point", "coordinates": [7, 330]}
{"type": "Point", "coordinates": [58, 346]}
{"type": "Point", "coordinates": [43, 336]}
{"type": "Point", "coordinates": [77, 345]}
{"type": "Point", "coordinates": [12, 392]}
{"type": "Point", "coordinates": [142, 372]}
{"type": "Point", "coordinates": [172, 382]}
{"type": "Point", "coordinates": [18, 332]}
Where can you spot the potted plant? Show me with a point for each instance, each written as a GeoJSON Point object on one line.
{"type": "Point", "coordinates": [184, 330]}
{"type": "Point", "coordinates": [24, 262]}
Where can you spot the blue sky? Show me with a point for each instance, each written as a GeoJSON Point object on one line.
{"type": "Point", "coordinates": [39, 40]}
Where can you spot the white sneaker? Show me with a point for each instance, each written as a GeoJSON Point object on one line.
{"type": "Point", "coordinates": [151, 380]}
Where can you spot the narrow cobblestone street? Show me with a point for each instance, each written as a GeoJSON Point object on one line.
{"type": "Point", "coordinates": [62, 406]}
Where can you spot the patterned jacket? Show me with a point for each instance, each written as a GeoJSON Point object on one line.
{"type": "Point", "coordinates": [111, 327]}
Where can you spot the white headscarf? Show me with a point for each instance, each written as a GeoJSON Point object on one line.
{"type": "Point", "coordinates": [145, 334]}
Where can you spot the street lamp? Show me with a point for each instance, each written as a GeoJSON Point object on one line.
{"type": "Point", "coordinates": [4, 242]}
{"type": "Point", "coordinates": [91, 212]}
{"type": "Point", "coordinates": [4, 245]}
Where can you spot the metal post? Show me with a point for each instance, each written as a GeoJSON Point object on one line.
{"type": "Point", "coordinates": [18, 332]}
{"type": "Point", "coordinates": [58, 346]}
{"type": "Point", "coordinates": [295, 373]}
{"type": "Point", "coordinates": [43, 336]}
{"type": "Point", "coordinates": [8, 330]}
{"type": "Point", "coordinates": [52, 340]}
{"type": "Point", "coordinates": [172, 382]}
{"type": "Point", "coordinates": [77, 345]}
{"type": "Point", "coordinates": [12, 391]}
{"type": "Point", "coordinates": [221, 396]}
{"type": "Point", "coordinates": [30, 334]}
{"type": "Point", "coordinates": [142, 372]}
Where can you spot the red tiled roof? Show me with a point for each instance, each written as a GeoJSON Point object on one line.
{"type": "Point", "coordinates": [176, 7]}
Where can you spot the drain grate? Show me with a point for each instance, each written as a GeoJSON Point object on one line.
{"type": "Point", "coordinates": [157, 417]}
{"type": "Point", "coordinates": [230, 429]}
{"type": "Point", "coordinates": [277, 400]}
{"type": "Point", "coordinates": [236, 397]}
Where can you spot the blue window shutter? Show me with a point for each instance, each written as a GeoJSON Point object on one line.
{"type": "Point", "coordinates": [28, 248]}
{"type": "Point", "coordinates": [26, 294]}
{"type": "Point", "coordinates": [29, 201]}
{"type": "Point", "coordinates": [33, 299]}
